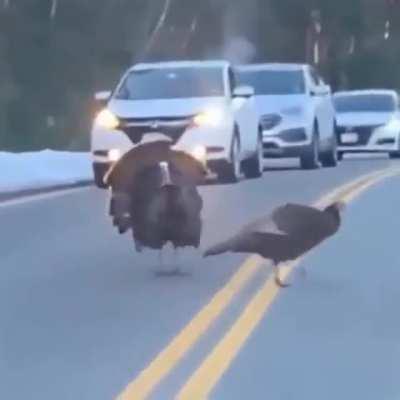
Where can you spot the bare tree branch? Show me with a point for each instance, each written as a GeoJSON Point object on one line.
{"type": "Point", "coordinates": [160, 24]}
{"type": "Point", "coordinates": [53, 10]}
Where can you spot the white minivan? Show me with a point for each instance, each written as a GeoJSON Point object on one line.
{"type": "Point", "coordinates": [196, 105]}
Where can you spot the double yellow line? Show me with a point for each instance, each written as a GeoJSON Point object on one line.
{"type": "Point", "coordinates": [204, 379]}
{"type": "Point", "coordinates": [150, 377]}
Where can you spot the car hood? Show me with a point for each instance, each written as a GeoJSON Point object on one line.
{"type": "Point", "coordinates": [164, 108]}
{"type": "Point", "coordinates": [278, 103]}
{"type": "Point", "coordinates": [363, 118]}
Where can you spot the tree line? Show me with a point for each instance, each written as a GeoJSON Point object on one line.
{"type": "Point", "coordinates": [54, 54]}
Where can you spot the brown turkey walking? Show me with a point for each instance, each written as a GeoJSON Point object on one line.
{"type": "Point", "coordinates": [286, 234]}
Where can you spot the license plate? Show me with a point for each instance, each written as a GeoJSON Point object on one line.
{"type": "Point", "coordinates": [350, 137]}
{"type": "Point", "coordinates": [155, 136]}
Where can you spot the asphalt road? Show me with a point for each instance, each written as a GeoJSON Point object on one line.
{"type": "Point", "coordinates": [81, 314]}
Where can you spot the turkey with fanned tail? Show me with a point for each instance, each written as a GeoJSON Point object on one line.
{"type": "Point", "coordinates": [154, 193]}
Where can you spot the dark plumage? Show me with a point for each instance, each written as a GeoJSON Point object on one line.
{"type": "Point", "coordinates": [286, 234]}
{"type": "Point", "coordinates": [153, 191]}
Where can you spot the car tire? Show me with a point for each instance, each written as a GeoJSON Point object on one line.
{"type": "Point", "coordinates": [253, 167]}
{"type": "Point", "coordinates": [340, 155]}
{"type": "Point", "coordinates": [99, 171]}
{"type": "Point", "coordinates": [394, 154]}
{"type": "Point", "coordinates": [229, 171]}
{"type": "Point", "coordinates": [330, 157]}
{"type": "Point", "coordinates": [310, 157]}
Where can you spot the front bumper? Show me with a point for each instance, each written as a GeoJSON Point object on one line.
{"type": "Point", "coordinates": [285, 141]}
{"type": "Point", "coordinates": [367, 149]}
{"type": "Point", "coordinates": [285, 152]}
{"type": "Point", "coordinates": [216, 142]}
{"type": "Point", "coordinates": [369, 140]}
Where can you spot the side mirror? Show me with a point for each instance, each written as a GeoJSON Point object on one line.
{"type": "Point", "coordinates": [243, 91]}
{"type": "Point", "coordinates": [103, 96]}
{"type": "Point", "coordinates": [326, 89]}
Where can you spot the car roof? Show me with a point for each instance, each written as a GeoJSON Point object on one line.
{"type": "Point", "coordinates": [366, 92]}
{"type": "Point", "coordinates": [272, 67]}
{"type": "Point", "coordinates": [180, 64]}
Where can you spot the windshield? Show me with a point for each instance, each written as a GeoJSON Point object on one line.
{"type": "Point", "coordinates": [273, 82]}
{"type": "Point", "coordinates": [172, 83]}
{"type": "Point", "coordinates": [364, 103]}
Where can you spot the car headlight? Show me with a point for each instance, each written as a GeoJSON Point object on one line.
{"type": "Point", "coordinates": [199, 153]}
{"type": "Point", "coordinates": [106, 119]}
{"type": "Point", "coordinates": [392, 125]}
{"type": "Point", "coordinates": [114, 155]}
{"type": "Point", "coordinates": [270, 121]}
{"type": "Point", "coordinates": [211, 117]}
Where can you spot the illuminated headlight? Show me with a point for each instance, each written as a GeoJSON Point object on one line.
{"type": "Point", "coordinates": [393, 125]}
{"type": "Point", "coordinates": [212, 117]}
{"type": "Point", "coordinates": [114, 155]}
{"type": "Point", "coordinates": [199, 153]}
{"type": "Point", "coordinates": [106, 119]}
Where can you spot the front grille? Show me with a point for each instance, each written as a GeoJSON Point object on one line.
{"type": "Point", "coordinates": [136, 128]}
{"type": "Point", "coordinates": [270, 146]}
{"type": "Point", "coordinates": [293, 135]}
{"type": "Point", "coordinates": [364, 134]}
{"type": "Point", "coordinates": [101, 153]}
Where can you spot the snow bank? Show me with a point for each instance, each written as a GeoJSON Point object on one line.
{"type": "Point", "coordinates": [43, 169]}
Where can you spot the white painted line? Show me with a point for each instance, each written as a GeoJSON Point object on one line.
{"type": "Point", "coordinates": [41, 197]}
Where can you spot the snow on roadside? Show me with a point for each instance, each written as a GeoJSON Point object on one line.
{"type": "Point", "coordinates": [43, 169]}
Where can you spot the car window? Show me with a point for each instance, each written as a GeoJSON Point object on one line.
{"type": "Point", "coordinates": [172, 83]}
{"type": "Point", "coordinates": [273, 82]}
{"type": "Point", "coordinates": [365, 103]}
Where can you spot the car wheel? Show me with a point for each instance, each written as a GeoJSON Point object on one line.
{"type": "Point", "coordinates": [310, 157]}
{"type": "Point", "coordinates": [394, 154]}
{"type": "Point", "coordinates": [229, 171]}
{"type": "Point", "coordinates": [330, 157]}
{"type": "Point", "coordinates": [99, 171]}
{"type": "Point", "coordinates": [340, 155]}
{"type": "Point", "coordinates": [253, 167]}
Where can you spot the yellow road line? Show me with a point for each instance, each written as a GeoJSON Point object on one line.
{"type": "Point", "coordinates": [349, 197]}
{"type": "Point", "coordinates": [143, 385]}
{"type": "Point", "coordinates": [150, 377]}
{"type": "Point", "coordinates": [204, 379]}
